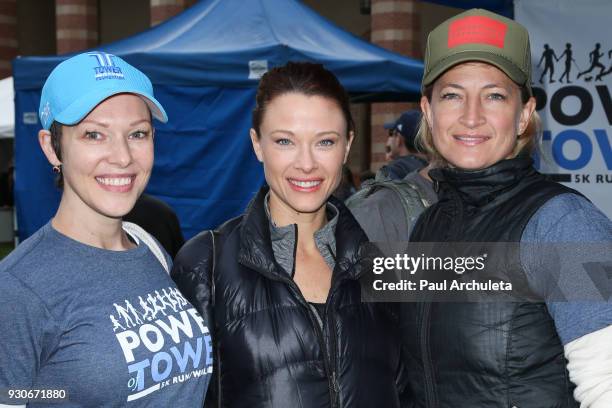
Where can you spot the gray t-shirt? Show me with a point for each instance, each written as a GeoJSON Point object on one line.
{"type": "Point", "coordinates": [108, 327]}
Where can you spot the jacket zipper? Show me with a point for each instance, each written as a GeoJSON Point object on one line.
{"type": "Point", "coordinates": [430, 398]}
{"type": "Point", "coordinates": [332, 355]}
{"type": "Point", "coordinates": [330, 370]}
{"type": "Point", "coordinates": [219, 402]}
{"type": "Point", "coordinates": [331, 324]}
{"type": "Point", "coordinates": [317, 323]}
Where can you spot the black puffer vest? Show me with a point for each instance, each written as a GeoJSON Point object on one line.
{"type": "Point", "coordinates": [497, 354]}
{"type": "Point", "coordinates": [271, 349]}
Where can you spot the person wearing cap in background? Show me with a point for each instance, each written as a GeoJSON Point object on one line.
{"type": "Point", "coordinates": [388, 206]}
{"type": "Point", "coordinates": [479, 127]}
{"type": "Point", "coordinates": [401, 153]}
{"type": "Point", "coordinates": [87, 307]}
{"type": "Point", "coordinates": [158, 219]}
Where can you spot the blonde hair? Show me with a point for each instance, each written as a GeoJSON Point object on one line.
{"type": "Point", "coordinates": [526, 143]}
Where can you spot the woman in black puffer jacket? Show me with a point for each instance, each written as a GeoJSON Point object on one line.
{"type": "Point", "coordinates": [279, 284]}
{"type": "Point", "coordinates": [543, 341]}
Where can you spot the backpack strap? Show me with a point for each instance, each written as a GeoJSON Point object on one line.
{"type": "Point", "coordinates": [140, 235]}
{"type": "Point", "coordinates": [409, 194]}
{"type": "Point", "coordinates": [410, 197]}
{"type": "Point", "coordinates": [212, 270]}
{"type": "Point", "coordinates": [213, 396]}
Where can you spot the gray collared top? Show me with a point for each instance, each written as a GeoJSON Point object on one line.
{"type": "Point", "coordinates": [283, 239]}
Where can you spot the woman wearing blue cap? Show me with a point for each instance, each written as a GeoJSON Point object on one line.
{"type": "Point", "coordinates": [89, 315]}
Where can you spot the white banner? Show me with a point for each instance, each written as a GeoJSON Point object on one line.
{"type": "Point", "coordinates": [571, 51]}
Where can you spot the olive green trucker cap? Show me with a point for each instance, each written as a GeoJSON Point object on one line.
{"type": "Point", "coordinates": [479, 35]}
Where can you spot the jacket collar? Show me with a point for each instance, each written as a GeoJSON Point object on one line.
{"type": "Point", "coordinates": [479, 187]}
{"type": "Point", "coordinates": [283, 238]}
{"type": "Point", "coordinates": [256, 243]}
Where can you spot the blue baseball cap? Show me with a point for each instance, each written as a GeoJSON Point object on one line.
{"type": "Point", "coordinates": [407, 125]}
{"type": "Point", "coordinates": [76, 86]}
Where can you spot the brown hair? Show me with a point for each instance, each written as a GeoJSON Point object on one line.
{"type": "Point", "coordinates": [526, 142]}
{"type": "Point", "coordinates": [300, 77]}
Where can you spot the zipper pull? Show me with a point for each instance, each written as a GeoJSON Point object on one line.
{"type": "Point", "coordinates": [335, 402]}
{"type": "Point", "coordinates": [335, 382]}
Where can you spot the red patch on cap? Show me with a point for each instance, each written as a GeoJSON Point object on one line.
{"type": "Point", "coordinates": [477, 30]}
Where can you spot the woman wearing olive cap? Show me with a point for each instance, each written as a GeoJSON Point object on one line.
{"type": "Point", "coordinates": [89, 316]}
{"type": "Point", "coordinates": [480, 125]}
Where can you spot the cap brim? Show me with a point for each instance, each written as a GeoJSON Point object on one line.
{"type": "Point", "coordinates": [389, 125]}
{"type": "Point", "coordinates": [509, 68]}
{"type": "Point", "coordinates": [80, 108]}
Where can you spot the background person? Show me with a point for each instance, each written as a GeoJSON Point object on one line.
{"type": "Point", "coordinates": [388, 206]}
{"type": "Point", "coordinates": [479, 126]}
{"type": "Point", "coordinates": [86, 308]}
{"type": "Point", "coordinates": [346, 188]}
{"type": "Point", "coordinates": [388, 209]}
{"type": "Point", "coordinates": [159, 220]}
{"type": "Point", "coordinates": [281, 280]}
{"type": "Point", "coordinates": [401, 153]}
{"type": "Point", "coordinates": [7, 185]}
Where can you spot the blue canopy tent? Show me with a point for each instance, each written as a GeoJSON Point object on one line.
{"type": "Point", "coordinates": [205, 64]}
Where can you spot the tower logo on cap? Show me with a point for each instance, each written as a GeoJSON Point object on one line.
{"type": "Point", "coordinates": [106, 68]}
{"type": "Point", "coordinates": [45, 114]}
{"type": "Point", "coordinates": [477, 30]}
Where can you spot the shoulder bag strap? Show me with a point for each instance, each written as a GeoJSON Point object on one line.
{"type": "Point", "coordinates": [141, 235]}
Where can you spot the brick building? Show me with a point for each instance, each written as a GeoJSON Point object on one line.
{"type": "Point", "coordinates": [46, 27]}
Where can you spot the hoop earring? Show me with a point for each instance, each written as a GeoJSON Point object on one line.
{"type": "Point", "coordinates": [57, 169]}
